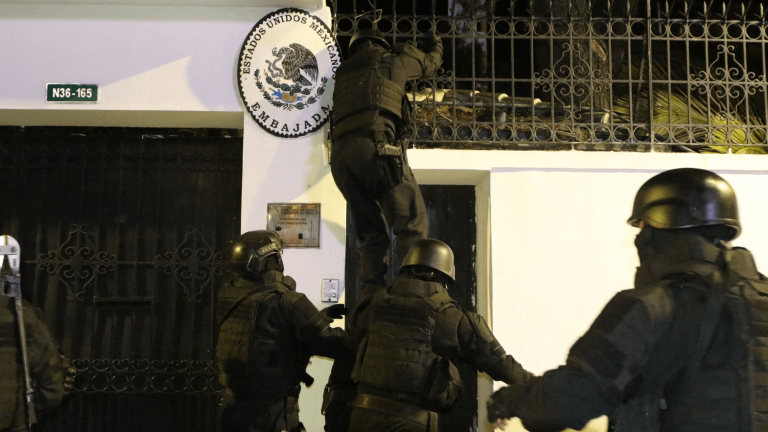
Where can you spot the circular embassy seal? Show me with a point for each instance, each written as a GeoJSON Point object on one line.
{"type": "Point", "coordinates": [286, 72]}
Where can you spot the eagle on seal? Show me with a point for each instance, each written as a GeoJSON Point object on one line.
{"type": "Point", "coordinates": [297, 63]}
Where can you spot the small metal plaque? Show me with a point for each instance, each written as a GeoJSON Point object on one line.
{"type": "Point", "coordinates": [297, 223]}
{"type": "Point", "coordinates": [72, 93]}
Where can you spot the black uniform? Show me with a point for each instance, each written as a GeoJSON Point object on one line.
{"type": "Point", "coordinates": [684, 351]}
{"type": "Point", "coordinates": [341, 390]}
{"type": "Point", "coordinates": [368, 165]}
{"type": "Point", "coordinates": [268, 334]}
{"type": "Point", "coordinates": [407, 342]}
{"type": "Point", "coordinates": [47, 366]}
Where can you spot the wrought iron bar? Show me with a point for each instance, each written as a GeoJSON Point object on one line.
{"type": "Point", "coordinates": [680, 75]}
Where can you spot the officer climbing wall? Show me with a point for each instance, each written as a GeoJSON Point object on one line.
{"type": "Point", "coordinates": [684, 350]}
{"type": "Point", "coordinates": [368, 161]}
{"type": "Point", "coordinates": [267, 334]}
{"type": "Point", "coordinates": [370, 168]}
{"type": "Point", "coordinates": [408, 340]}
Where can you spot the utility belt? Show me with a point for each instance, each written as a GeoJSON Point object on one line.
{"type": "Point", "coordinates": [392, 163]}
{"type": "Point", "coordinates": [262, 393]}
{"type": "Point", "coordinates": [338, 394]}
{"type": "Point", "coordinates": [399, 409]}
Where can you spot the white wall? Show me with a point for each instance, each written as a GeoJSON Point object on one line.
{"type": "Point", "coordinates": [296, 170]}
{"type": "Point", "coordinates": [560, 244]}
{"type": "Point", "coordinates": [142, 58]}
{"type": "Point", "coordinates": [154, 65]}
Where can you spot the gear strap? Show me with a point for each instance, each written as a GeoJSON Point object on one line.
{"type": "Point", "coordinates": [278, 278]}
{"type": "Point", "coordinates": [707, 331]}
{"type": "Point", "coordinates": [641, 412]}
{"type": "Point", "coordinates": [398, 409]}
{"type": "Point", "coordinates": [239, 301]}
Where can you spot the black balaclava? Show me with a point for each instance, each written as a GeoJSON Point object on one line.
{"type": "Point", "coordinates": [644, 243]}
{"type": "Point", "coordinates": [274, 262]}
{"type": "Point", "coordinates": [651, 241]}
{"type": "Point", "coordinates": [427, 274]}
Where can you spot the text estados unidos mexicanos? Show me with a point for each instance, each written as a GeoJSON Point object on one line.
{"type": "Point", "coordinates": [327, 39]}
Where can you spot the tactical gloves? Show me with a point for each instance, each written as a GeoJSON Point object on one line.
{"type": "Point", "coordinates": [322, 320]}
{"type": "Point", "coordinates": [336, 311]}
{"type": "Point", "coordinates": [503, 403]}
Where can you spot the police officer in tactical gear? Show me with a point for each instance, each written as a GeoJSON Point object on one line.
{"type": "Point", "coordinates": [682, 351]}
{"type": "Point", "coordinates": [408, 340]}
{"type": "Point", "coordinates": [47, 368]}
{"type": "Point", "coordinates": [368, 161]}
{"type": "Point", "coordinates": [341, 389]}
{"type": "Point", "coordinates": [267, 334]}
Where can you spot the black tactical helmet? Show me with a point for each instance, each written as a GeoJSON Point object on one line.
{"type": "Point", "coordinates": [686, 198]}
{"type": "Point", "coordinates": [369, 34]}
{"type": "Point", "coordinates": [251, 249]}
{"type": "Point", "coordinates": [433, 254]}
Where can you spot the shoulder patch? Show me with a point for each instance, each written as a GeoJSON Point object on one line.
{"type": "Point", "coordinates": [289, 282]}
{"type": "Point", "coordinates": [291, 297]}
{"type": "Point", "coordinates": [655, 301]}
{"type": "Point", "coordinates": [441, 301]}
{"type": "Point", "coordinates": [408, 49]}
{"type": "Point", "coordinates": [760, 286]}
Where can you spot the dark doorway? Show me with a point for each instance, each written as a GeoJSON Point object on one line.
{"type": "Point", "coordinates": [452, 219]}
{"type": "Point", "coordinates": [124, 235]}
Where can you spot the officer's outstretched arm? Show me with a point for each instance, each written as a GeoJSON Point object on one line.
{"type": "Point", "coordinates": [560, 399]}
{"type": "Point", "coordinates": [436, 53]}
{"type": "Point", "coordinates": [418, 64]}
{"type": "Point", "coordinates": [313, 327]}
{"type": "Point", "coordinates": [486, 353]}
{"type": "Point", "coordinates": [603, 368]}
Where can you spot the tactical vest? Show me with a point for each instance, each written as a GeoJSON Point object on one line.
{"type": "Point", "coordinates": [724, 384]}
{"type": "Point", "coordinates": [756, 294]}
{"type": "Point", "coordinates": [12, 406]}
{"type": "Point", "coordinates": [727, 391]}
{"type": "Point", "coordinates": [364, 83]}
{"type": "Point", "coordinates": [256, 348]}
{"type": "Point", "coordinates": [396, 355]}
{"type": "Point", "coordinates": [733, 395]}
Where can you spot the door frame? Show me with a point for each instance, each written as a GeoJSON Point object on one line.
{"type": "Point", "coordinates": [481, 180]}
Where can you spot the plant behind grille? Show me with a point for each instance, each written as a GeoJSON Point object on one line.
{"type": "Point", "coordinates": [576, 74]}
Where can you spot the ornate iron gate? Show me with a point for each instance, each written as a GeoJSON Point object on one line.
{"type": "Point", "coordinates": [123, 234]}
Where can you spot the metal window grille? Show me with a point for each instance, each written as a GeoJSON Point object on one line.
{"type": "Point", "coordinates": [577, 74]}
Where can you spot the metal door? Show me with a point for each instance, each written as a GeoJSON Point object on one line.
{"type": "Point", "coordinates": [452, 219]}
{"type": "Point", "coordinates": [123, 234]}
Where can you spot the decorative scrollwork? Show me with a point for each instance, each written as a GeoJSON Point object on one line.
{"type": "Point", "coordinates": [76, 262]}
{"type": "Point", "coordinates": [726, 84]}
{"type": "Point", "coordinates": [593, 78]}
{"type": "Point", "coordinates": [193, 264]}
{"type": "Point", "coordinates": [146, 376]}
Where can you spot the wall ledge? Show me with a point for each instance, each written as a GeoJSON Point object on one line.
{"type": "Point", "coordinates": [120, 118]}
